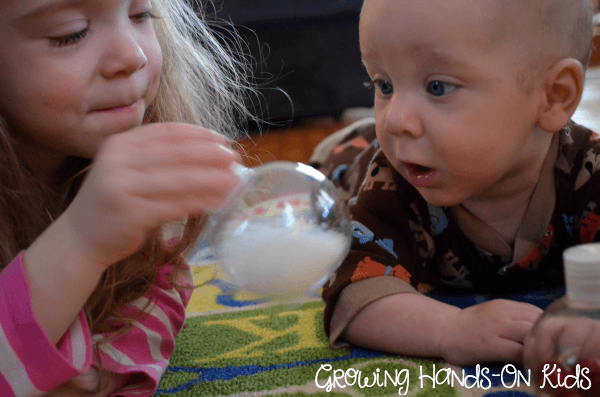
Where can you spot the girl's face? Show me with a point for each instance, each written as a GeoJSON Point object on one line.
{"type": "Point", "coordinates": [73, 72]}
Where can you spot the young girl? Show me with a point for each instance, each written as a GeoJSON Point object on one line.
{"type": "Point", "coordinates": [99, 102]}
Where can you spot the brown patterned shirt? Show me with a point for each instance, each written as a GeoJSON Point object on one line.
{"type": "Point", "coordinates": [403, 244]}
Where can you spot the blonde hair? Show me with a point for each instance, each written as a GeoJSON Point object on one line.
{"type": "Point", "coordinates": [212, 95]}
{"type": "Point", "coordinates": [205, 81]}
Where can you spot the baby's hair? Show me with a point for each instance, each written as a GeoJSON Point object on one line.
{"type": "Point", "coordinates": [556, 28]}
{"type": "Point", "coordinates": [545, 31]}
{"type": "Point", "coordinates": [205, 81]}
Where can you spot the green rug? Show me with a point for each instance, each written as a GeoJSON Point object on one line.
{"type": "Point", "coordinates": [236, 346]}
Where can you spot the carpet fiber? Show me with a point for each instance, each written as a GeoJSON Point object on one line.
{"type": "Point", "coordinates": [235, 345]}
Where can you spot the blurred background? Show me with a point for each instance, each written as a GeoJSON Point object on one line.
{"type": "Point", "coordinates": [306, 55]}
{"type": "Point", "coordinates": [306, 59]}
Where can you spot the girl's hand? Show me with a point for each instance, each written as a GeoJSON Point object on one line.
{"type": "Point", "coordinates": [143, 178]}
{"type": "Point", "coordinates": [490, 331]}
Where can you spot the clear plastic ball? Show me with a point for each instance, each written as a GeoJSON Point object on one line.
{"type": "Point", "coordinates": [284, 232]}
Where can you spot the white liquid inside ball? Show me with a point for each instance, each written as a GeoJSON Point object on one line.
{"type": "Point", "coordinates": [274, 261]}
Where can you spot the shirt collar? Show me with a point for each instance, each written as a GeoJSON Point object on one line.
{"type": "Point", "coordinates": [534, 224]}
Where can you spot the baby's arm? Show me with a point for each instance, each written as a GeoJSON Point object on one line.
{"type": "Point", "coordinates": [413, 324]}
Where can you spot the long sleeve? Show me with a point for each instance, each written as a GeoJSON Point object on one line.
{"type": "Point", "coordinates": [30, 364]}
{"type": "Point", "coordinates": [390, 249]}
{"type": "Point", "coordinates": [146, 350]}
{"type": "Point", "coordinates": [353, 161]}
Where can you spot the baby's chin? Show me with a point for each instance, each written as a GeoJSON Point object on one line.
{"type": "Point", "coordinates": [439, 199]}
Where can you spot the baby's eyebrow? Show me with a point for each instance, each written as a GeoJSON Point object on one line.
{"type": "Point", "coordinates": [49, 8]}
{"type": "Point", "coordinates": [441, 58]}
{"type": "Point", "coordinates": [433, 57]}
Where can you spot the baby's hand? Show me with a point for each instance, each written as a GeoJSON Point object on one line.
{"type": "Point", "coordinates": [554, 350]}
{"type": "Point", "coordinates": [143, 178]}
{"type": "Point", "coordinates": [490, 331]}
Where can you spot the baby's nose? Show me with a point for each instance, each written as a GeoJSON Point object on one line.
{"type": "Point", "coordinates": [402, 117]}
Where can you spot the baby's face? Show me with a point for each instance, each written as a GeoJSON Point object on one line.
{"type": "Point", "coordinates": [451, 114]}
{"type": "Point", "coordinates": [74, 72]}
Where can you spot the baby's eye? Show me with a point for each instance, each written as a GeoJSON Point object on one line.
{"type": "Point", "coordinates": [386, 88]}
{"type": "Point", "coordinates": [439, 88]}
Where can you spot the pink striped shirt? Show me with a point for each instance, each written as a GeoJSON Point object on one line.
{"type": "Point", "coordinates": [30, 365]}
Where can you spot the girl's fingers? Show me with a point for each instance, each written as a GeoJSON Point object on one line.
{"type": "Point", "coordinates": [176, 133]}
{"type": "Point", "coordinates": [168, 140]}
{"type": "Point", "coordinates": [188, 185]}
{"type": "Point", "coordinates": [197, 153]}
{"type": "Point", "coordinates": [165, 197]}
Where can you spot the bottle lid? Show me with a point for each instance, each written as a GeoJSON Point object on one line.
{"type": "Point", "coordinates": [582, 272]}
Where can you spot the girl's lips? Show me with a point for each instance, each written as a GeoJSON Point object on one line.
{"type": "Point", "coordinates": [419, 176]}
{"type": "Point", "coordinates": [121, 109]}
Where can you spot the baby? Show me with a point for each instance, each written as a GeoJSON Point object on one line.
{"type": "Point", "coordinates": [471, 177]}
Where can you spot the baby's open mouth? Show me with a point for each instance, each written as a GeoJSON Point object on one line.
{"type": "Point", "coordinates": [419, 175]}
{"type": "Point", "coordinates": [417, 168]}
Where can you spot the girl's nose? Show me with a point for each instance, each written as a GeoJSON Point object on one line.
{"type": "Point", "coordinates": [124, 55]}
{"type": "Point", "coordinates": [402, 117]}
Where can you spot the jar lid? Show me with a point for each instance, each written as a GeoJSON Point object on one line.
{"type": "Point", "coordinates": [582, 272]}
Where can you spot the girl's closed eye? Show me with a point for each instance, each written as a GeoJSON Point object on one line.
{"type": "Point", "coordinates": [77, 36]}
{"type": "Point", "coordinates": [439, 88]}
{"type": "Point", "coordinates": [68, 39]}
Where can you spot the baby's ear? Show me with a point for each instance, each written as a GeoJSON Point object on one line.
{"type": "Point", "coordinates": [563, 86]}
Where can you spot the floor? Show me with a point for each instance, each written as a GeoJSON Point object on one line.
{"type": "Point", "coordinates": [297, 143]}
{"type": "Point", "coordinates": [289, 144]}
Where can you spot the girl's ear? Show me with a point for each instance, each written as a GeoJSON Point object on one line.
{"type": "Point", "coordinates": [563, 87]}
